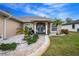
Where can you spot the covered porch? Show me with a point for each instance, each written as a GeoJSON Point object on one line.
{"type": "Point", "coordinates": [41, 27]}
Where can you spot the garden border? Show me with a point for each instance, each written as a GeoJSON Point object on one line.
{"type": "Point", "coordinates": [43, 48]}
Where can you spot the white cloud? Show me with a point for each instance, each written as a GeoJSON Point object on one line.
{"type": "Point", "coordinates": [59, 5]}
{"type": "Point", "coordinates": [58, 10]}
{"type": "Point", "coordinates": [39, 11]}
{"type": "Point", "coordinates": [41, 14]}
{"type": "Point", "coordinates": [63, 15]}
{"type": "Point", "coordinates": [55, 4]}
{"type": "Point", "coordinates": [44, 12]}
{"type": "Point", "coordinates": [36, 12]}
{"type": "Point", "coordinates": [16, 6]}
{"type": "Point", "coordinates": [53, 9]}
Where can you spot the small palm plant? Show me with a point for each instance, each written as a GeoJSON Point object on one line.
{"type": "Point", "coordinates": [57, 23]}
{"type": "Point", "coordinates": [28, 36]}
{"type": "Point", "coordinates": [24, 31]}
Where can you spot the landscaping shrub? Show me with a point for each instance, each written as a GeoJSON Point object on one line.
{"type": "Point", "coordinates": [31, 39]}
{"type": "Point", "coordinates": [56, 33]}
{"type": "Point", "coordinates": [31, 31]}
{"type": "Point", "coordinates": [35, 37]}
{"type": "Point", "coordinates": [29, 35]}
{"type": "Point", "coordinates": [5, 47]}
{"type": "Point", "coordinates": [65, 31]}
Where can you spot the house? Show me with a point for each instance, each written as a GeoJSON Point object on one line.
{"type": "Point", "coordinates": [9, 24]}
{"type": "Point", "coordinates": [73, 26]}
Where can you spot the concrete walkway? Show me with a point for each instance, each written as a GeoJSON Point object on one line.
{"type": "Point", "coordinates": [23, 49]}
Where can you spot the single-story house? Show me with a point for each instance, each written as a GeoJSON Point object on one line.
{"type": "Point", "coordinates": [9, 24]}
{"type": "Point", "coordinates": [73, 26]}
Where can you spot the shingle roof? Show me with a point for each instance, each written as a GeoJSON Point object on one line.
{"type": "Point", "coordinates": [25, 18]}
{"type": "Point", "coordinates": [6, 14]}
{"type": "Point", "coordinates": [74, 22]}
{"type": "Point", "coordinates": [33, 18]}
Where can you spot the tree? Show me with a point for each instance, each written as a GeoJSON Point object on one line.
{"type": "Point", "coordinates": [57, 23]}
{"type": "Point", "coordinates": [69, 20]}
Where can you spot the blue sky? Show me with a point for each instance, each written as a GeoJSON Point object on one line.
{"type": "Point", "coordinates": [49, 10]}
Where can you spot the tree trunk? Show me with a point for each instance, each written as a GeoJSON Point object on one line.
{"type": "Point", "coordinates": [58, 29]}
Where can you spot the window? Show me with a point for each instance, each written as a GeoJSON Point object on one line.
{"type": "Point", "coordinates": [54, 28]}
{"type": "Point", "coordinates": [73, 26]}
{"type": "Point", "coordinates": [29, 25]}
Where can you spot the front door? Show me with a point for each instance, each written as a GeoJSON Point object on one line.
{"type": "Point", "coordinates": [40, 28]}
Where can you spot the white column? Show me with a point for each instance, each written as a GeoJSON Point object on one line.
{"type": "Point", "coordinates": [4, 28]}
{"type": "Point", "coordinates": [50, 27]}
{"type": "Point", "coordinates": [46, 28]}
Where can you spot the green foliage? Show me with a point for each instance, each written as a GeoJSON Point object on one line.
{"type": "Point", "coordinates": [24, 31]}
{"type": "Point", "coordinates": [5, 47]}
{"type": "Point", "coordinates": [31, 39]}
{"type": "Point", "coordinates": [35, 37]}
{"type": "Point", "coordinates": [29, 35]}
{"type": "Point", "coordinates": [57, 22]}
{"type": "Point", "coordinates": [65, 31]}
{"type": "Point", "coordinates": [69, 20]}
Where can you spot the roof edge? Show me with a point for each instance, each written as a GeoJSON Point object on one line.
{"type": "Point", "coordinates": [9, 15]}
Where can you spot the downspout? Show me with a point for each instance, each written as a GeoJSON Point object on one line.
{"type": "Point", "coordinates": [5, 27]}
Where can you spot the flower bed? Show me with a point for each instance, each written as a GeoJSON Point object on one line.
{"type": "Point", "coordinates": [23, 49]}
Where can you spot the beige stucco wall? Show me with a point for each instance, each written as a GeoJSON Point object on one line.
{"type": "Point", "coordinates": [1, 25]}
{"type": "Point", "coordinates": [11, 27]}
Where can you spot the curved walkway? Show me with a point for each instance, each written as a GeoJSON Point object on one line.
{"type": "Point", "coordinates": [42, 48]}
{"type": "Point", "coordinates": [23, 49]}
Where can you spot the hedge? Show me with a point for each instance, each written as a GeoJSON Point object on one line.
{"type": "Point", "coordinates": [5, 47]}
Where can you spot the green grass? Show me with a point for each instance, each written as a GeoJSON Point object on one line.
{"type": "Point", "coordinates": [67, 45]}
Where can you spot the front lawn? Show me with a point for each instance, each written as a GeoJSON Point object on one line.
{"type": "Point", "coordinates": [67, 45]}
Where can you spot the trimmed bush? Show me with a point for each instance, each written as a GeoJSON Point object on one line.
{"type": "Point", "coordinates": [65, 31]}
{"type": "Point", "coordinates": [56, 33]}
{"type": "Point", "coordinates": [35, 37]}
{"type": "Point", "coordinates": [31, 31]}
{"type": "Point", "coordinates": [31, 39]}
{"type": "Point", "coordinates": [5, 47]}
